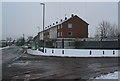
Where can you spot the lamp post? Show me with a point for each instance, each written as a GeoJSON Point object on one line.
{"type": "Point", "coordinates": [43, 23]}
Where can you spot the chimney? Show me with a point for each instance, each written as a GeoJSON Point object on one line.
{"type": "Point", "coordinates": [65, 18]}
{"type": "Point", "coordinates": [72, 15]}
{"type": "Point", "coordinates": [61, 20]}
{"type": "Point", "coordinates": [56, 22]}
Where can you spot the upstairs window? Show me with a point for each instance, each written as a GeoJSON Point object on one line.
{"type": "Point", "coordinates": [61, 26]}
{"type": "Point", "coordinates": [58, 26]}
{"type": "Point", "coordinates": [69, 25]}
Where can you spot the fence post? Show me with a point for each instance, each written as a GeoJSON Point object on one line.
{"type": "Point", "coordinates": [90, 52]}
{"type": "Point", "coordinates": [62, 43]}
{"type": "Point", "coordinates": [52, 51]}
{"type": "Point", "coordinates": [103, 52]}
{"type": "Point", "coordinates": [113, 52]}
{"type": "Point", "coordinates": [62, 51]}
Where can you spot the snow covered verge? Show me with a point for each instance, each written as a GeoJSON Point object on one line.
{"type": "Point", "coordinates": [4, 47]}
{"type": "Point", "coordinates": [108, 76]}
{"type": "Point", "coordinates": [75, 52]}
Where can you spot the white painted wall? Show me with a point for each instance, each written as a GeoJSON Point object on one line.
{"type": "Point", "coordinates": [76, 52]}
{"type": "Point", "coordinates": [41, 35]}
{"type": "Point", "coordinates": [53, 33]}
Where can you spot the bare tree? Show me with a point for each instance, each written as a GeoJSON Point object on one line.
{"type": "Point", "coordinates": [106, 29]}
{"type": "Point", "coordinates": [113, 31]}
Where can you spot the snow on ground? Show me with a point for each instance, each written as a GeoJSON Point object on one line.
{"type": "Point", "coordinates": [108, 76]}
{"type": "Point", "coordinates": [75, 52]}
{"type": "Point", "coordinates": [4, 47]}
{"type": "Point", "coordinates": [34, 52]}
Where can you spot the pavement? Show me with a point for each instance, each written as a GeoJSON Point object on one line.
{"type": "Point", "coordinates": [29, 67]}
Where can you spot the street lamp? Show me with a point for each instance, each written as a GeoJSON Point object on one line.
{"type": "Point", "coordinates": [43, 23]}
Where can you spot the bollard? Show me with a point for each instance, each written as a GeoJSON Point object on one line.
{"type": "Point", "coordinates": [113, 52]}
{"type": "Point", "coordinates": [52, 51]}
{"type": "Point", "coordinates": [62, 51]}
{"type": "Point", "coordinates": [90, 52]}
{"type": "Point", "coordinates": [103, 52]}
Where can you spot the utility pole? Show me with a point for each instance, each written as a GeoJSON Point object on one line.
{"type": "Point", "coordinates": [43, 24]}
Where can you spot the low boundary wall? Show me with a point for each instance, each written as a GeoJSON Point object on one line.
{"type": "Point", "coordinates": [76, 52]}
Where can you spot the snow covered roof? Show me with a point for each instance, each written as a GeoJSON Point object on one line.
{"type": "Point", "coordinates": [63, 21]}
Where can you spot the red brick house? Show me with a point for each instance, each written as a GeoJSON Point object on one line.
{"type": "Point", "coordinates": [74, 27]}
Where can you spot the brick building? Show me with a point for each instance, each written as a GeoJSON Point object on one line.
{"type": "Point", "coordinates": [73, 27]}
{"type": "Point", "coordinates": [55, 35]}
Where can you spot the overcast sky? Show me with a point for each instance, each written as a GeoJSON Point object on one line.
{"type": "Point", "coordinates": [24, 17]}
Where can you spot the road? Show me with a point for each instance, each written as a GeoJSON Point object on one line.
{"type": "Point", "coordinates": [11, 53]}
{"type": "Point", "coordinates": [40, 67]}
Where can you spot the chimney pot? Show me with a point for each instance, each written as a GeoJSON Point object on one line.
{"type": "Point", "coordinates": [72, 15]}
{"type": "Point", "coordinates": [65, 18]}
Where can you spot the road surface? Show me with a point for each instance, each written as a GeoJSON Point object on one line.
{"type": "Point", "coordinates": [31, 67]}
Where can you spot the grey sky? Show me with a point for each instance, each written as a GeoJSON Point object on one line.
{"type": "Point", "coordinates": [25, 17]}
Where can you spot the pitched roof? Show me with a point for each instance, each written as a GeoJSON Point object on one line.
{"type": "Point", "coordinates": [64, 22]}
{"type": "Point", "coordinates": [67, 20]}
{"type": "Point", "coordinates": [81, 19]}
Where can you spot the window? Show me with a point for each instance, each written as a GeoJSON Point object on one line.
{"type": "Point", "coordinates": [69, 33]}
{"type": "Point", "coordinates": [58, 34]}
{"type": "Point", "coordinates": [61, 26]}
{"type": "Point", "coordinates": [58, 26]}
{"type": "Point", "coordinates": [61, 33]}
{"type": "Point", "coordinates": [69, 25]}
